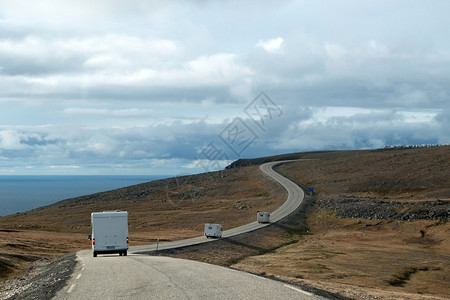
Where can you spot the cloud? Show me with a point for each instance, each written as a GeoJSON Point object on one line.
{"type": "Point", "coordinates": [108, 85]}
{"type": "Point", "coordinates": [56, 145]}
{"type": "Point", "coordinates": [308, 128]}
{"type": "Point", "coordinates": [111, 66]}
{"type": "Point", "coordinates": [64, 167]}
{"type": "Point", "coordinates": [272, 45]}
{"type": "Point", "coordinates": [10, 140]}
{"type": "Point", "coordinates": [341, 128]}
{"type": "Point", "coordinates": [81, 10]}
{"type": "Point", "coordinates": [34, 55]}
{"type": "Point", "coordinates": [128, 112]}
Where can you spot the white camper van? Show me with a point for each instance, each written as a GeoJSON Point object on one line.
{"type": "Point", "coordinates": [213, 230]}
{"type": "Point", "coordinates": [109, 232]}
{"type": "Point", "coordinates": [263, 217]}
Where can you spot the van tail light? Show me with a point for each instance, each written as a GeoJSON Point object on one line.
{"type": "Point", "coordinates": [128, 241]}
{"type": "Point", "coordinates": [93, 242]}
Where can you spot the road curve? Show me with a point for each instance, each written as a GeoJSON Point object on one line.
{"type": "Point", "coordinates": [293, 201]}
{"type": "Point", "coordinates": [139, 276]}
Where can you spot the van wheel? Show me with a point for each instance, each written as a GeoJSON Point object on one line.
{"type": "Point", "coordinates": [94, 254]}
{"type": "Point", "coordinates": [125, 253]}
{"type": "Point", "coordinates": [120, 253]}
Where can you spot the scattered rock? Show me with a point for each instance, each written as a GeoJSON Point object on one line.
{"type": "Point", "coordinates": [372, 209]}
{"type": "Point", "coordinates": [49, 273]}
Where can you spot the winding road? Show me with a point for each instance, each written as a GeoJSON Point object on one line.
{"type": "Point", "coordinates": [293, 201]}
{"type": "Point", "coordinates": [138, 276]}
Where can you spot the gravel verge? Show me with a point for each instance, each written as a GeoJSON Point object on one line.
{"type": "Point", "coordinates": [42, 281]}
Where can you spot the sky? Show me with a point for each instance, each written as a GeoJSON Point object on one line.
{"type": "Point", "coordinates": [182, 87]}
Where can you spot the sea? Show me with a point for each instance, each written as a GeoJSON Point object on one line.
{"type": "Point", "coordinates": [22, 193]}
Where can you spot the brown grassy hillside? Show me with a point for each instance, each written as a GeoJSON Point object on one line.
{"type": "Point", "coordinates": [379, 255]}
{"type": "Point", "coordinates": [378, 226]}
{"type": "Point", "coordinates": [417, 173]}
{"type": "Point", "coordinates": [167, 209]}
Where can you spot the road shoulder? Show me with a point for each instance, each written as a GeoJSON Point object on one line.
{"type": "Point", "coordinates": [42, 281]}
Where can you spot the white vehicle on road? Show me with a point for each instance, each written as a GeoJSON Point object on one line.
{"type": "Point", "coordinates": [263, 217]}
{"type": "Point", "coordinates": [213, 230]}
{"type": "Point", "coordinates": [109, 232]}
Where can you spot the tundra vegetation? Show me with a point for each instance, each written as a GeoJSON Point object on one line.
{"type": "Point", "coordinates": [376, 227]}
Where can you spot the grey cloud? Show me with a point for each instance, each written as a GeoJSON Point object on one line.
{"type": "Point", "coordinates": [111, 144]}
{"type": "Point", "coordinates": [360, 131]}
{"type": "Point", "coordinates": [362, 81]}
{"type": "Point", "coordinates": [443, 119]}
{"type": "Point", "coordinates": [132, 81]}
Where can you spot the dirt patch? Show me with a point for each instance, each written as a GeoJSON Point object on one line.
{"type": "Point", "coordinates": [404, 276]}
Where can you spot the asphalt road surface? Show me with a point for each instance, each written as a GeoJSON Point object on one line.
{"type": "Point", "coordinates": [156, 277]}
{"type": "Point", "coordinates": [153, 277]}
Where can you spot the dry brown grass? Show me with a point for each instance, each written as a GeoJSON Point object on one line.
{"type": "Point", "coordinates": [19, 248]}
{"type": "Point", "coordinates": [386, 259]}
{"type": "Point", "coordinates": [417, 173]}
{"type": "Point", "coordinates": [184, 204]}
{"type": "Point", "coordinates": [360, 258]}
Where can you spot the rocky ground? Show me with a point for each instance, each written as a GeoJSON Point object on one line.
{"type": "Point", "coordinates": [374, 209]}
{"type": "Point", "coordinates": [42, 280]}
